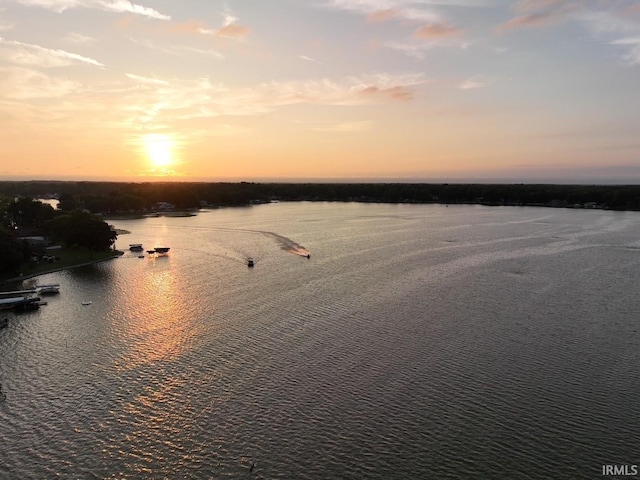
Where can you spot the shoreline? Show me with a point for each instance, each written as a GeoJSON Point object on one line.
{"type": "Point", "coordinates": [118, 254]}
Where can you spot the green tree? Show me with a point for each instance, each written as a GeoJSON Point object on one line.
{"type": "Point", "coordinates": [67, 202]}
{"type": "Point", "coordinates": [80, 228]}
{"type": "Point", "coordinates": [13, 252]}
{"type": "Point", "coordinates": [26, 213]}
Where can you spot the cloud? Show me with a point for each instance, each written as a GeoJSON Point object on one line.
{"type": "Point", "coordinates": [153, 102]}
{"type": "Point", "coordinates": [383, 15]}
{"type": "Point", "coordinates": [176, 49]}
{"type": "Point", "coordinates": [477, 81]}
{"type": "Point", "coordinates": [233, 30]}
{"type": "Point", "coordinates": [610, 24]}
{"type": "Point", "coordinates": [382, 10]}
{"type": "Point", "coordinates": [398, 92]}
{"type": "Point", "coordinates": [191, 26]}
{"type": "Point", "coordinates": [632, 57]}
{"type": "Point", "coordinates": [537, 13]}
{"type": "Point", "coordinates": [124, 6]}
{"type": "Point", "coordinates": [146, 80]}
{"type": "Point", "coordinates": [603, 22]}
{"type": "Point", "coordinates": [229, 29]}
{"type": "Point", "coordinates": [309, 59]}
{"type": "Point", "coordinates": [22, 83]}
{"type": "Point", "coordinates": [157, 102]}
{"type": "Point", "coordinates": [79, 38]}
{"type": "Point", "coordinates": [119, 6]}
{"type": "Point", "coordinates": [419, 48]}
{"type": "Point", "coordinates": [347, 127]}
{"type": "Point", "coordinates": [58, 6]}
{"type": "Point", "coordinates": [35, 55]}
{"type": "Point", "coordinates": [436, 30]}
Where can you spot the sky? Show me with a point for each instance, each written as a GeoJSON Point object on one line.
{"type": "Point", "coordinates": [330, 90]}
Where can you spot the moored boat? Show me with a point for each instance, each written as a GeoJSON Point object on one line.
{"type": "Point", "coordinates": [135, 247]}
{"type": "Point", "coordinates": [250, 262]}
{"type": "Point", "coordinates": [47, 289]}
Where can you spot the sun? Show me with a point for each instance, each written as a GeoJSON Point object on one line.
{"type": "Point", "coordinates": [159, 148]}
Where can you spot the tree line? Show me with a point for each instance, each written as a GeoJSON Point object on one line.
{"type": "Point", "coordinates": [120, 197]}
{"type": "Point", "coordinates": [22, 217]}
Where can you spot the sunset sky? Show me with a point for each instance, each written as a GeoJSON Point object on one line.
{"type": "Point", "coordinates": [400, 90]}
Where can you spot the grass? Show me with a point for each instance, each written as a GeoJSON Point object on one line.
{"type": "Point", "coordinates": [65, 258]}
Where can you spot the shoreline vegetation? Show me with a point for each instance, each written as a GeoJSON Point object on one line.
{"type": "Point", "coordinates": [126, 199]}
{"type": "Point", "coordinates": [66, 259]}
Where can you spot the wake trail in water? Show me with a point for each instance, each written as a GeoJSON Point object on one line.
{"type": "Point", "coordinates": [287, 244]}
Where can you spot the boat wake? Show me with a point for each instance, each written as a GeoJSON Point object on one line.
{"type": "Point", "coordinates": [287, 244]}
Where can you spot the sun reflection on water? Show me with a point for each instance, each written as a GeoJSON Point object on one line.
{"type": "Point", "coordinates": [157, 328]}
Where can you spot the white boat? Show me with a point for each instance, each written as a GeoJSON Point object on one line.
{"type": "Point", "coordinates": [47, 289]}
{"type": "Point", "coordinates": [20, 303]}
{"type": "Point", "coordinates": [135, 247]}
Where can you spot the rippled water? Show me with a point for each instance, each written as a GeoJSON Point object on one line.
{"type": "Point", "coordinates": [418, 341]}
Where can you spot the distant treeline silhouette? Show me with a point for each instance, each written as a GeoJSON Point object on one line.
{"type": "Point", "coordinates": [114, 197]}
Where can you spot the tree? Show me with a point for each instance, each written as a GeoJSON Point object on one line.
{"type": "Point", "coordinates": [13, 252]}
{"type": "Point", "coordinates": [26, 213]}
{"type": "Point", "coordinates": [80, 228]}
{"type": "Point", "coordinates": [67, 202]}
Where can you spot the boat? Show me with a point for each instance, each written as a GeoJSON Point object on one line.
{"type": "Point", "coordinates": [135, 247]}
{"type": "Point", "coordinates": [249, 262]}
{"type": "Point", "coordinates": [162, 250]}
{"type": "Point", "coordinates": [20, 303]}
{"type": "Point", "coordinates": [47, 289]}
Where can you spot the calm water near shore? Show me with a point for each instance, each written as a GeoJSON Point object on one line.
{"type": "Point", "coordinates": [417, 341]}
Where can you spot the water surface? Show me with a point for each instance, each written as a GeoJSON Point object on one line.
{"type": "Point", "coordinates": [417, 341]}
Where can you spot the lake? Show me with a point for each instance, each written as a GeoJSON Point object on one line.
{"type": "Point", "coordinates": [417, 341]}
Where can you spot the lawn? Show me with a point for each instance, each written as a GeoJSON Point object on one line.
{"type": "Point", "coordinates": [65, 258]}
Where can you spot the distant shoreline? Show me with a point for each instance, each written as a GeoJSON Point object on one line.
{"type": "Point", "coordinates": [169, 198]}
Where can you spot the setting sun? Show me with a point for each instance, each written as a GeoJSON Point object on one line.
{"type": "Point", "coordinates": [159, 149]}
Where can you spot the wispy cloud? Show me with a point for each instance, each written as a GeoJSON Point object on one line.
{"type": "Point", "coordinates": [176, 49]}
{"type": "Point", "coordinates": [35, 55]}
{"type": "Point", "coordinates": [229, 29]}
{"type": "Point", "coordinates": [382, 10]}
{"type": "Point", "coordinates": [601, 22]}
{"type": "Point", "coordinates": [158, 100]}
{"type": "Point", "coordinates": [632, 57]}
{"type": "Point", "coordinates": [120, 6]}
{"type": "Point", "coordinates": [309, 59]}
{"type": "Point", "coordinates": [79, 38]}
{"type": "Point", "coordinates": [436, 30]}
{"type": "Point", "coordinates": [23, 83]}
{"type": "Point", "coordinates": [347, 127]}
{"type": "Point", "coordinates": [124, 6]}
{"type": "Point", "coordinates": [420, 47]}
{"type": "Point", "coordinates": [477, 81]}
{"type": "Point", "coordinates": [146, 80]}
{"type": "Point", "coordinates": [383, 15]}
{"type": "Point", "coordinates": [537, 13]}
{"type": "Point", "coordinates": [232, 29]}
{"type": "Point", "coordinates": [615, 27]}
